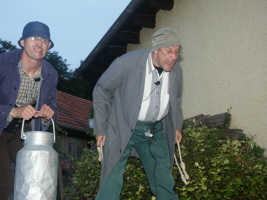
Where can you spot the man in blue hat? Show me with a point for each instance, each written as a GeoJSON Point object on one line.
{"type": "Point", "coordinates": [27, 85]}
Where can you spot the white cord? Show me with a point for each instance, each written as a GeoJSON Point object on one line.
{"type": "Point", "coordinates": [183, 173]}
{"type": "Point", "coordinates": [100, 153]}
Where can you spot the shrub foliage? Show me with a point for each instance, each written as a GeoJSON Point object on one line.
{"type": "Point", "coordinates": [219, 168]}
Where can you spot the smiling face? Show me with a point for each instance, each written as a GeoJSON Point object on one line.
{"type": "Point", "coordinates": [35, 48]}
{"type": "Point", "coordinates": [166, 57]}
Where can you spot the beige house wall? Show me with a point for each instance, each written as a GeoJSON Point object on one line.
{"type": "Point", "coordinates": [224, 59]}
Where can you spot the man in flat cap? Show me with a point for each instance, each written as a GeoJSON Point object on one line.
{"type": "Point", "coordinates": [27, 85]}
{"type": "Point", "coordinates": [137, 110]}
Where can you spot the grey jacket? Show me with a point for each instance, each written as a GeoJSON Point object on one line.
{"type": "Point", "coordinates": [121, 88]}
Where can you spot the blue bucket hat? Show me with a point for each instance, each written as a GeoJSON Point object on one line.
{"type": "Point", "coordinates": [36, 29]}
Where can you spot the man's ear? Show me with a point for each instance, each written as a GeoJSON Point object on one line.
{"type": "Point", "coordinates": [21, 43]}
{"type": "Point", "coordinates": [49, 45]}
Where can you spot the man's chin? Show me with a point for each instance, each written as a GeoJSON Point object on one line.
{"type": "Point", "coordinates": [168, 68]}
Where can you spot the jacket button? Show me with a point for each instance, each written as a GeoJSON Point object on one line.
{"type": "Point", "coordinates": [15, 88]}
{"type": "Point", "coordinates": [10, 104]}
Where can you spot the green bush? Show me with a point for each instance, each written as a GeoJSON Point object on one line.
{"type": "Point", "coordinates": [135, 185]}
{"type": "Point", "coordinates": [219, 168]}
{"type": "Point", "coordinates": [85, 179]}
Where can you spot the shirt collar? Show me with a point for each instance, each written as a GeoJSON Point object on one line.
{"type": "Point", "coordinates": [150, 66]}
{"type": "Point", "coordinates": [22, 70]}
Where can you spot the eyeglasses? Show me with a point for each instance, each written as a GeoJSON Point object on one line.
{"type": "Point", "coordinates": [35, 39]}
{"type": "Point", "coordinates": [171, 53]}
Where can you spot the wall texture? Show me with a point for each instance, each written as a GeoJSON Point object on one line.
{"type": "Point", "coordinates": [224, 59]}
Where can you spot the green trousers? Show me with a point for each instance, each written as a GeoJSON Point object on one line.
{"type": "Point", "coordinates": [154, 155]}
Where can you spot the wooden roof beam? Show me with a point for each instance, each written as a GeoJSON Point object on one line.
{"type": "Point", "coordinates": [164, 5]}
{"type": "Point", "coordinates": [147, 21]}
{"type": "Point", "coordinates": [99, 67]}
{"type": "Point", "coordinates": [129, 37]}
{"type": "Point", "coordinates": [116, 50]}
{"type": "Point", "coordinates": [106, 59]}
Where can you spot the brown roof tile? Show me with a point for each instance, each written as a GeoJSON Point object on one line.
{"type": "Point", "coordinates": [73, 111]}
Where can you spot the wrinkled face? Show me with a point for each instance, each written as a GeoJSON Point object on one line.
{"type": "Point", "coordinates": [166, 57]}
{"type": "Point", "coordinates": [35, 47]}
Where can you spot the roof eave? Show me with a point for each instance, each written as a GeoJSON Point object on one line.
{"type": "Point", "coordinates": [128, 11]}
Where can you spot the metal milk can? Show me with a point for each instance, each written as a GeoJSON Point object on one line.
{"type": "Point", "coordinates": [36, 166]}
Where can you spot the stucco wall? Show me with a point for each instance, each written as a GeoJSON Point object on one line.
{"type": "Point", "coordinates": [224, 59]}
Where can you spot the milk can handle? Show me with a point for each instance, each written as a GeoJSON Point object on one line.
{"type": "Point", "coordinates": [23, 135]}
